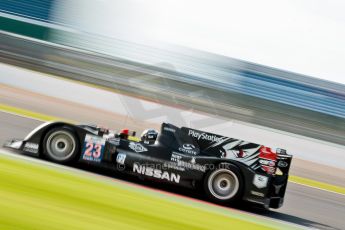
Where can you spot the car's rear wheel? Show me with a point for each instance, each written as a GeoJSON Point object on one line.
{"type": "Point", "coordinates": [224, 184]}
{"type": "Point", "coordinates": [61, 145]}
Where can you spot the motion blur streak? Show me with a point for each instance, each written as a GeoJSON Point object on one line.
{"type": "Point", "coordinates": [40, 197]}
{"type": "Point", "coordinates": [279, 100]}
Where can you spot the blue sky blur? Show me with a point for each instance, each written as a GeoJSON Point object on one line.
{"type": "Point", "coordinates": [304, 36]}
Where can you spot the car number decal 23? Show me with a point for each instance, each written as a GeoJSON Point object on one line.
{"type": "Point", "coordinates": [93, 148]}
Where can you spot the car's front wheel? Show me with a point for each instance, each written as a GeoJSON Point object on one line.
{"type": "Point", "coordinates": [224, 184]}
{"type": "Point", "coordinates": [61, 145]}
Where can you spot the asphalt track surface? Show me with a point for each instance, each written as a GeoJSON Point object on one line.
{"type": "Point", "coordinates": [304, 205]}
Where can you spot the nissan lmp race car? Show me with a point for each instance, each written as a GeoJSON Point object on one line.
{"type": "Point", "coordinates": [226, 169]}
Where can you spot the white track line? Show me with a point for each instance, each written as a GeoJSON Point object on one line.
{"type": "Point", "coordinates": [322, 189]}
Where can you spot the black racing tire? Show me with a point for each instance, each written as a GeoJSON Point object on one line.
{"type": "Point", "coordinates": [61, 145]}
{"type": "Point", "coordinates": [224, 185]}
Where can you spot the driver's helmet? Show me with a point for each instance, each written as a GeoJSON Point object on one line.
{"type": "Point", "coordinates": [149, 136]}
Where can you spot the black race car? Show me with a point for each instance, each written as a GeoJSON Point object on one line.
{"type": "Point", "coordinates": [227, 169]}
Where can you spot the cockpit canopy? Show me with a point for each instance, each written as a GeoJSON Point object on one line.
{"type": "Point", "coordinates": [175, 138]}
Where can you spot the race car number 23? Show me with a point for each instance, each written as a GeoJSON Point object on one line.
{"type": "Point", "coordinates": [93, 148]}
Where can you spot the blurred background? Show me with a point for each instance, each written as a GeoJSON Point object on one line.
{"type": "Point", "coordinates": [267, 72]}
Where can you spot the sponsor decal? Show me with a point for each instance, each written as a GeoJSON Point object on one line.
{"type": "Point", "coordinates": [282, 164]}
{"type": "Point", "coordinates": [255, 193]}
{"type": "Point", "coordinates": [189, 165]}
{"type": "Point", "coordinates": [173, 165]}
{"type": "Point", "coordinates": [175, 157]}
{"type": "Point", "coordinates": [260, 181]}
{"type": "Point", "coordinates": [205, 136]}
{"type": "Point", "coordinates": [188, 148]}
{"type": "Point", "coordinates": [31, 147]}
{"type": "Point", "coordinates": [137, 147]}
{"type": "Point", "coordinates": [93, 148]}
{"type": "Point", "coordinates": [120, 158]}
{"type": "Point", "coordinates": [156, 173]}
{"type": "Point", "coordinates": [169, 129]}
{"type": "Point", "coordinates": [267, 162]}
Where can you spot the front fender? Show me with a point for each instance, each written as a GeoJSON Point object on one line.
{"type": "Point", "coordinates": [36, 136]}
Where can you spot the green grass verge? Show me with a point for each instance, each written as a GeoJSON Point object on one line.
{"type": "Point", "coordinates": [36, 196]}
